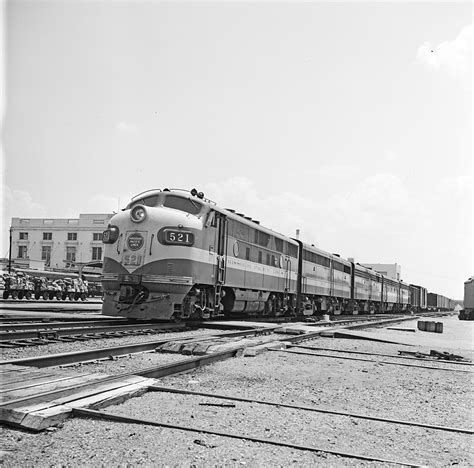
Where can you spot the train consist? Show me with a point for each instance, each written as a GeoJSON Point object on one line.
{"type": "Point", "coordinates": [173, 254]}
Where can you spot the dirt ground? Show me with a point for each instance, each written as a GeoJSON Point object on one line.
{"type": "Point", "coordinates": [423, 395]}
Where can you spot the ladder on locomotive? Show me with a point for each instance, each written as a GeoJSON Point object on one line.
{"type": "Point", "coordinates": [221, 261]}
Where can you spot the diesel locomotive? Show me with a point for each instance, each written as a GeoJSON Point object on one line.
{"type": "Point", "coordinates": [174, 254]}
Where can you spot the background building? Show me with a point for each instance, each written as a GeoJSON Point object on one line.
{"type": "Point", "coordinates": [387, 269]}
{"type": "Point", "coordinates": [57, 243]}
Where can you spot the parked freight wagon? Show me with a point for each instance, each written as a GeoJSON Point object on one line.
{"type": "Point", "coordinates": [418, 297]}
{"type": "Point", "coordinates": [468, 312]}
{"type": "Point", "coordinates": [438, 302]}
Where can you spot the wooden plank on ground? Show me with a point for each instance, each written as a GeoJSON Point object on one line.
{"type": "Point", "coordinates": [41, 379]}
{"type": "Point", "coordinates": [14, 378]}
{"type": "Point", "coordinates": [40, 397]}
{"type": "Point", "coordinates": [53, 385]}
{"type": "Point", "coordinates": [114, 397]}
{"type": "Point", "coordinates": [38, 418]}
{"type": "Point", "coordinates": [63, 396]}
{"type": "Point", "coordinates": [4, 368]}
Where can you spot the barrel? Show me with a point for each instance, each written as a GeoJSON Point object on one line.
{"type": "Point", "coordinates": [421, 325]}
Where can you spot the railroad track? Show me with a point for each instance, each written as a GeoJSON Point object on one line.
{"type": "Point", "coordinates": [127, 349]}
{"type": "Point", "coordinates": [42, 334]}
{"type": "Point", "coordinates": [91, 355]}
{"type": "Point", "coordinates": [185, 365]}
{"type": "Point", "coordinates": [188, 364]}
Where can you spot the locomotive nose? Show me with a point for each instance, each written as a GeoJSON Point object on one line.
{"type": "Point", "coordinates": [138, 214]}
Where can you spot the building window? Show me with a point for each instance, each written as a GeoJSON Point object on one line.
{"type": "Point", "coordinates": [22, 251]}
{"type": "Point", "coordinates": [96, 253]}
{"type": "Point", "coordinates": [46, 254]}
{"type": "Point", "coordinates": [23, 236]}
{"type": "Point", "coordinates": [259, 256]}
{"type": "Point", "coordinates": [48, 221]}
{"type": "Point", "coordinates": [72, 236]}
{"type": "Point", "coordinates": [71, 254]}
{"type": "Point", "coordinates": [47, 236]}
{"type": "Point", "coordinates": [247, 253]}
{"type": "Point", "coordinates": [97, 221]}
{"type": "Point", "coordinates": [73, 221]}
{"type": "Point", "coordinates": [97, 236]}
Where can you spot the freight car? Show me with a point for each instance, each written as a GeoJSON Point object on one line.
{"type": "Point", "coordinates": [418, 298]}
{"type": "Point", "coordinates": [467, 313]}
{"type": "Point", "coordinates": [437, 302]}
{"type": "Point", "coordinates": [175, 254]}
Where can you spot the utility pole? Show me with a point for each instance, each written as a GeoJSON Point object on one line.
{"type": "Point", "coordinates": [10, 253]}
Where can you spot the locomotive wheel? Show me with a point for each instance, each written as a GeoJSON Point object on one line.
{"type": "Point", "coordinates": [59, 295]}
{"type": "Point", "coordinates": [176, 317]}
{"type": "Point", "coordinates": [14, 294]}
{"type": "Point", "coordinates": [83, 296]}
{"type": "Point", "coordinates": [20, 294]}
{"type": "Point", "coordinates": [71, 296]}
{"type": "Point", "coordinates": [63, 296]}
{"type": "Point", "coordinates": [46, 295]}
{"type": "Point", "coordinates": [37, 295]}
{"type": "Point", "coordinates": [28, 295]}
{"type": "Point", "coordinates": [76, 296]}
{"type": "Point", "coordinates": [6, 293]}
{"type": "Point", "coordinates": [51, 295]}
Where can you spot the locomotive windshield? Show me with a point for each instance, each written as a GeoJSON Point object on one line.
{"type": "Point", "coordinates": [182, 204]}
{"type": "Point", "coordinates": [147, 201]}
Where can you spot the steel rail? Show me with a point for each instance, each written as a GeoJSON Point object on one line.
{"type": "Point", "coordinates": [75, 357]}
{"type": "Point", "coordinates": [371, 360]}
{"type": "Point", "coordinates": [60, 308]}
{"type": "Point", "coordinates": [124, 419]}
{"type": "Point", "coordinates": [444, 361]}
{"type": "Point", "coordinates": [15, 327]}
{"type": "Point", "coordinates": [25, 335]}
{"type": "Point", "coordinates": [17, 319]}
{"type": "Point", "coordinates": [156, 388]}
{"type": "Point", "coordinates": [103, 353]}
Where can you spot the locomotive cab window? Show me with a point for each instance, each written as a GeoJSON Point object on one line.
{"type": "Point", "coordinates": [182, 204]}
{"type": "Point", "coordinates": [147, 201]}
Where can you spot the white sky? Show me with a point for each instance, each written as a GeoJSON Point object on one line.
{"type": "Point", "coordinates": [350, 121]}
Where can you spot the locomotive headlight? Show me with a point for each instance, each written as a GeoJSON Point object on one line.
{"type": "Point", "coordinates": [138, 214]}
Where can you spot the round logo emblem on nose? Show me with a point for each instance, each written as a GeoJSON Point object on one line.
{"type": "Point", "coordinates": [135, 241]}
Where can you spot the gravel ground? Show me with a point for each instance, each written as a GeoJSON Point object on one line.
{"type": "Point", "coordinates": [428, 396]}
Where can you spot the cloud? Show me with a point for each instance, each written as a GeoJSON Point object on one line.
{"type": "Point", "coordinates": [454, 57]}
{"type": "Point", "coordinates": [127, 128]}
{"type": "Point", "coordinates": [358, 209]}
{"type": "Point", "coordinates": [18, 204]}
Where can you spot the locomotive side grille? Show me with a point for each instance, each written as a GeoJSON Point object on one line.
{"type": "Point", "coordinates": [109, 277]}
{"type": "Point", "coordinates": [147, 278]}
{"type": "Point", "coordinates": [167, 279]}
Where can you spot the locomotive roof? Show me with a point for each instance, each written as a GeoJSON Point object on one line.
{"type": "Point", "coordinates": [232, 214]}
{"type": "Point", "coordinates": [336, 257]}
